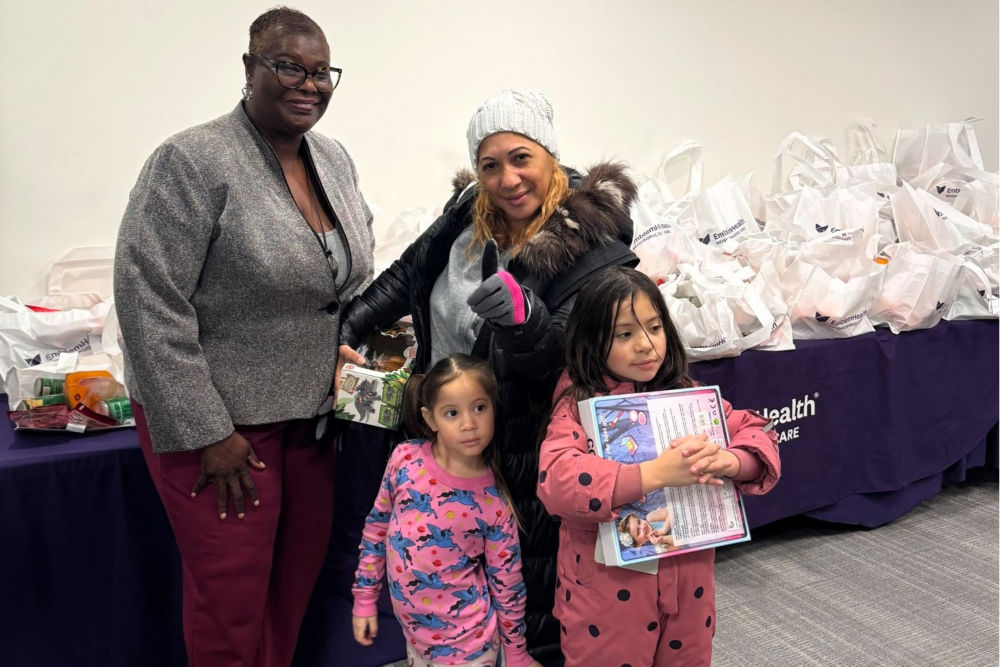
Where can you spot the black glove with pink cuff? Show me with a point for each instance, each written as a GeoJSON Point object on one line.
{"type": "Point", "coordinates": [500, 299]}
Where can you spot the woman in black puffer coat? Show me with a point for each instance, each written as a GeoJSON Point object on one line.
{"type": "Point", "coordinates": [553, 228]}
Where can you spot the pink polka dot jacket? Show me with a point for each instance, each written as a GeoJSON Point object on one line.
{"type": "Point", "coordinates": [450, 550]}
{"type": "Point", "coordinates": [613, 615]}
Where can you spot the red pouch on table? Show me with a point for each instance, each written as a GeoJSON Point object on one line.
{"type": "Point", "coordinates": [60, 417]}
{"type": "Point", "coordinates": [81, 417]}
{"type": "Point", "coordinates": [46, 416]}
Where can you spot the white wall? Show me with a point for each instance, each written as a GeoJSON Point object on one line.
{"type": "Point", "coordinates": [88, 89]}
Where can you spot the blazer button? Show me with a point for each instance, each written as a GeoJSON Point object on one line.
{"type": "Point", "coordinates": [332, 308]}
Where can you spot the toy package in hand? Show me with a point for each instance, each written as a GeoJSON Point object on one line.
{"type": "Point", "coordinates": [373, 394]}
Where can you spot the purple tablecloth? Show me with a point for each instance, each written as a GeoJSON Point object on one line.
{"type": "Point", "coordinates": [872, 425]}
{"type": "Point", "coordinates": [89, 574]}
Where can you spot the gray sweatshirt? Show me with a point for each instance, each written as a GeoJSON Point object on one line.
{"type": "Point", "coordinates": [228, 307]}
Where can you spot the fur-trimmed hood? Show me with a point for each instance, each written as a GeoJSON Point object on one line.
{"type": "Point", "coordinates": [595, 213]}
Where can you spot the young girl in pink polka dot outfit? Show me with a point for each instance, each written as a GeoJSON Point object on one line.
{"type": "Point", "coordinates": [619, 340]}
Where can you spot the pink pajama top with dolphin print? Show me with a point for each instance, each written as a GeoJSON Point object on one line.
{"type": "Point", "coordinates": [614, 615]}
{"type": "Point", "coordinates": [450, 550]}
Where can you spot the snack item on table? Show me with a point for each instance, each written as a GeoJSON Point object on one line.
{"type": "Point", "coordinates": [91, 387]}
{"type": "Point", "coordinates": [81, 418]}
{"type": "Point", "coordinates": [118, 408]}
{"type": "Point", "coordinates": [33, 402]}
{"type": "Point", "coordinates": [48, 386]}
{"type": "Point", "coordinates": [47, 417]}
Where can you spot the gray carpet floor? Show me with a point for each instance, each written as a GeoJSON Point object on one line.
{"type": "Point", "coordinates": [921, 591]}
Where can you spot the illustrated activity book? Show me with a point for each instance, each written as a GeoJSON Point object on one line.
{"type": "Point", "coordinates": [632, 428]}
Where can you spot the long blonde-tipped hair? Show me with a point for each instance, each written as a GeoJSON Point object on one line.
{"type": "Point", "coordinates": [489, 222]}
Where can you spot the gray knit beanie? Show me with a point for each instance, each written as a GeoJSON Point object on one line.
{"type": "Point", "coordinates": [519, 110]}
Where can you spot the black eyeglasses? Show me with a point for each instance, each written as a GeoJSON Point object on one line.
{"type": "Point", "coordinates": [293, 75]}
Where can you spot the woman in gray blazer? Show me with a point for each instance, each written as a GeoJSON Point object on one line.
{"type": "Point", "coordinates": [242, 240]}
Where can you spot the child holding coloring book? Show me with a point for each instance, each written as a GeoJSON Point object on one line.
{"type": "Point", "coordinates": [443, 530]}
{"type": "Point", "coordinates": [620, 340]}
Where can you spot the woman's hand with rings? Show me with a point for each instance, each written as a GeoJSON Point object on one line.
{"type": "Point", "coordinates": [226, 464]}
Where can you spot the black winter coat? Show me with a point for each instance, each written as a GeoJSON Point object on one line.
{"type": "Point", "coordinates": [590, 231]}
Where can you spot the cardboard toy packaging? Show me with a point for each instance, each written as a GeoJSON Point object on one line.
{"type": "Point", "coordinates": [374, 394]}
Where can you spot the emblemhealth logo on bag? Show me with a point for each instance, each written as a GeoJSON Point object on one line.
{"type": "Point", "coordinates": [836, 232]}
{"type": "Point", "coordinates": [83, 345]}
{"type": "Point", "coordinates": [717, 238]}
{"type": "Point", "coordinates": [949, 190]}
{"type": "Point", "coordinates": [799, 408]}
{"type": "Point", "coordinates": [661, 229]}
{"type": "Point", "coordinates": [843, 322]}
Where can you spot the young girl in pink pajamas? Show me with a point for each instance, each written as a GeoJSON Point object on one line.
{"type": "Point", "coordinates": [443, 530]}
{"type": "Point", "coordinates": [620, 340]}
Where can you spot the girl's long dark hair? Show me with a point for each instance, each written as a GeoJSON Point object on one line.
{"type": "Point", "coordinates": [590, 333]}
{"type": "Point", "coordinates": [421, 391]}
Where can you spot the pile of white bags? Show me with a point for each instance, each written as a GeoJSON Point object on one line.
{"type": "Point", "coordinates": [834, 250]}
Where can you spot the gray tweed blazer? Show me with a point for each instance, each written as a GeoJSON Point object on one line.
{"type": "Point", "coordinates": [228, 307]}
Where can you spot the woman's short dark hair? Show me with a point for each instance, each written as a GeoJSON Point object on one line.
{"type": "Point", "coordinates": [280, 21]}
{"type": "Point", "coordinates": [590, 332]}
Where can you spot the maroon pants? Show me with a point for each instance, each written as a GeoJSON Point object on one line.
{"type": "Point", "coordinates": [247, 582]}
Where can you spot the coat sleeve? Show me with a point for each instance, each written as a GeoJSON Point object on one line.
{"type": "Point", "coordinates": [166, 231]}
{"type": "Point", "coordinates": [388, 297]}
{"type": "Point", "coordinates": [372, 550]}
{"type": "Point", "coordinates": [573, 483]}
{"type": "Point", "coordinates": [381, 304]}
{"type": "Point", "coordinates": [534, 349]}
{"type": "Point", "coordinates": [753, 434]}
{"type": "Point", "coordinates": [507, 590]}
{"type": "Point", "coordinates": [537, 347]}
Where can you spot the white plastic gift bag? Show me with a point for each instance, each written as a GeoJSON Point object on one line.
{"type": "Point", "coordinates": [868, 158]}
{"type": "Point", "coordinates": [978, 293]}
{"type": "Point", "coordinates": [707, 328]}
{"type": "Point", "coordinates": [828, 307]}
{"type": "Point", "coordinates": [29, 338]}
{"type": "Point", "coordinates": [721, 213]}
{"type": "Point", "coordinates": [980, 200]}
{"type": "Point", "coordinates": [767, 286]}
{"type": "Point", "coordinates": [954, 144]}
{"type": "Point", "coordinates": [925, 220]}
{"type": "Point", "coordinates": [754, 198]}
{"type": "Point", "coordinates": [662, 243]}
{"type": "Point", "coordinates": [717, 316]}
{"type": "Point", "coordinates": [918, 288]}
{"type": "Point", "coordinates": [86, 270]}
{"type": "Point", "coordinates": [20, 382]}
{"type": "Point", "coordinates": [675, 182]}
{"type": "Point", "coordinates": [974, 192]}
{"type": "Point", "coordinates": [864, 146]}
{"type": "Point", "coordinates": [809, 163]}
{"type": "Point", "coordinates": [829, 285]}
{"type": "Point", "coordinates": [842, 212]}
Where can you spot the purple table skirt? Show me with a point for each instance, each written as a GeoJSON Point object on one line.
{"type": "Point", "coordinates": [89, 574]}
{"type": "Point", "coordinates": [872, 425]}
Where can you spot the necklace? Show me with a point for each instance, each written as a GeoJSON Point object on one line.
{"type": "Point", "coordinates": [318, 230]}
{"type": "Point", "coordinates": [321, 238]}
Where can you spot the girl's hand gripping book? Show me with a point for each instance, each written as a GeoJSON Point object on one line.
{"type": "Point", "coordinates": [632, 428]}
